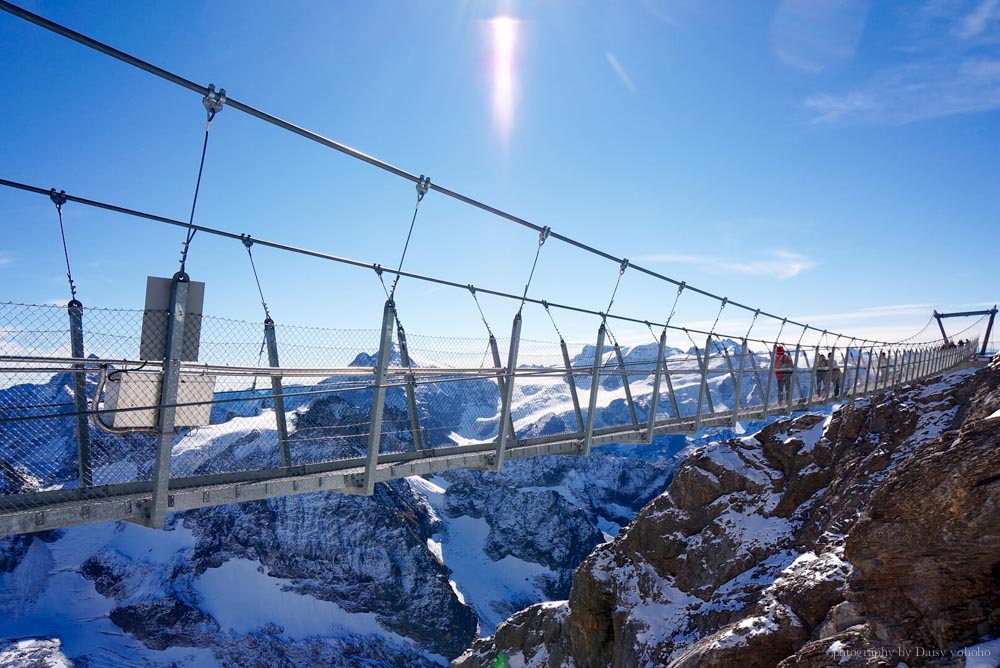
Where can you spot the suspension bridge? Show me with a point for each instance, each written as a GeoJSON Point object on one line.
{"type": "Point", "coordinates": [128, 414]}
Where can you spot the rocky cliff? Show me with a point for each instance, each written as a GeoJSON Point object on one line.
{"type": "Point", "coordinates": [868, 537]}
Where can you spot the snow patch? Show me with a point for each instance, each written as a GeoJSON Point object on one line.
{"type": "Point", "coordinates": [239, 594]}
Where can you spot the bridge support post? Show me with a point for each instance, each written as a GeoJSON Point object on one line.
{"type": "Point", "coordinates": [625, 384]}
{"type": "Point", "coordinates": [378, 397]}
{"type": "Point", "coordinates": [857, 369]}
{"type": "Point", "coordinates": [595, 383]}
{"type": "Point", "coordinates": [279, 398]}
{"type": "Point", "coordinates": [795, 384]}
{"type": "Point", "coordinates": [814, 384]}
{"type": "Point", "coordinates": [85, 468]}
{"type": "Point", "coordinates": [670, 388]}
{"type": "Point", "coordinates": [868, 371]}
{"type": "Point", "coordinates": [411, 390]}
{"type": "Point", "coordinates": [703, 389]}
{"type": "Point", "coordinates": [170, 384]}
{"type": "Point", "coordinates": [654, 400]}
{"type": "Point", "coordinates": [571, 381]}
{"type": "Point", "coordinates": [506, 422]}
{"type": "Point", "coordinates": [770, 378]}
{"type": "Point", "coordinates": [989, 328]}
{"type": "Point", "coordinates": [501, 382]}
{"type": "Point", "coordinates": [738, 394]}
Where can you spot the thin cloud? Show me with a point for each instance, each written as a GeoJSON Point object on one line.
{"type": "Point", "coordinates": [975, 23]}
{"type": "Point", "coordinates": [871, 313]}
{"type": "Point", "coordinates": [945, 71]}
{"type": "Point", "coordinates": [6, 260]}
{"type": "Point", "coordinates": [620, 71]}
{"type": "Point", "coordinates": [915, 93]}
{"type": "Point", "coordinates": [780, 264]}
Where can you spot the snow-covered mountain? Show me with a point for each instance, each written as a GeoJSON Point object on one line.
{"type": "Point", "coordinates": [869, 537]}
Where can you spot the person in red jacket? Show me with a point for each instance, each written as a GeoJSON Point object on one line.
{"type": "Point", "coordinates": [783, 366]}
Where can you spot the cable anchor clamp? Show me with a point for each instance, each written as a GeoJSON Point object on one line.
{"type": "Point", "coordinates": [680, 288]}
{"type": "Point", "coordinates": [623, 267]}
{"type": "Point", "coordinates": [423, 185]}
{"type": "Point", "coordinates": [247, 240]}
{"type": "Point", "coordinates": [213, 101]}
{"type": "Point", "coordinates": [543, 235]}
{"type": "Point", "coordinates": [58, 198]}
{"type": "Point", "coordinates": [377, 268]}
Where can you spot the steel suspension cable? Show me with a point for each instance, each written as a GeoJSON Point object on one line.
{"type": "Point", "coordinates": [718, 315]}
{"type": "Point", "coordinates": [673, 309]}
{"type": "Point", "coordinates": [213, 102]}
{"type": "Point", "coordinates": [422, 185]}
{"type": "Point", "coordinates": [621, 272]}
{"type": "Point", "coordinates": [59, 198]}
{"type": "Point", "coordinates": [552, 320]}
{"type": "Point", "coordinates": [752, 322]}
{"type": "Point", "coordinates": [247, 243]}
{"type": "Point", "coordinates": [190, 85]}
{"type": "Point", "coordinates": [914, 336]}
{"type": "Point", "coordinates": [542, 236]}
{"type": "Point", "coordinates": [472, 291]}
{"type": "Point", "coordinates": [379, 269]}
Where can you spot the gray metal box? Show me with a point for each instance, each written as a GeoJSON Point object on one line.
{"type": "Point", "coordinates": [156, 313]}
{"type": "Point", "coordinates": [141, 390]}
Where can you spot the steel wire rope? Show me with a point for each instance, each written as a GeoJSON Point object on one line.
{"type": "Point", "coordinates": [422, 185]}
{"type": "Point", "coordinates": [347, 261]}
{"type": "Point", "coordinates": [213, 102]}
{"type": "Point", "coordinates": [325, 391]}
{"type": "Point", "coordinates": [922, 330]}
{"type": "Point", "coordinates": [312, 136]}
{"type": "Point", "coordinates": [542, 236]}
{"type": "Point", "coordinates": [247, 243]}
{"type": "Point", "coordinates": [59, 198]}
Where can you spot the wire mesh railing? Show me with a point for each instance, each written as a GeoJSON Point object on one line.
{"type": "Point", "coordinates": [76, 429]}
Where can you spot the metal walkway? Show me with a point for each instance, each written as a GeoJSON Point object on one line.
{"type": "Point", "coordinates": [439, 404]}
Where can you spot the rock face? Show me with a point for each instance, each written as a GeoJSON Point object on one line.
{"type": "Point", "coordinates": [869, 537]}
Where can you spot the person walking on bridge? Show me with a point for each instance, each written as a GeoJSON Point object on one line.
{"type": "Point", "coordinates": [783, 366]}
{"type": "Point", "coordinates": [835, 373]}
{"type": "Point", "coordinates": [822, 369]}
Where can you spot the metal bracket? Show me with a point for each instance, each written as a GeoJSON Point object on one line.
{"type": "Point", "coordinates": [214, 101]}
{"type": "Point", "coordinates": [543, 235]}
{"type": "Point", "coordinates": [423, 185]}
{"type": "Point", "coordinates": [623, 267]}
{"type": "Point", "coordinates": [58, 198]}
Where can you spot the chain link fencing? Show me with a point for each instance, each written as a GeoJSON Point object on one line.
{"type": "Point", "coordinates": [67, 423]}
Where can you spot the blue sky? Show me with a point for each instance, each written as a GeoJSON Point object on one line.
{"type": "Point", "coordinates": [833, 162]}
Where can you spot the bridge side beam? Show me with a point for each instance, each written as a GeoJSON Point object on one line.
{"type": "Point", "coordinates": [411, 390]}
{"type": "Point", "coordinates": [989, 328]}
{"type": "Point", "coordinates": [654, 400]}
{"type": "Point", "coordinates": [739, 384]}
{"type": "Point", "coordinates": [378, 398]}
{"type": "Point", "coordinates": [276, 390]}
{"type": "Point", "coordinates": [168, 398]}
{"type": "Point", "coordinates": [501, 380]}
{"type": "Point", "coordinates": [75, 310]}
{"type": "Point", "coordinates": [571, 381]}
{"type": "Point", "coordinates": [595, 383]}
{"type": "Point", "coordinates": [506, 422]}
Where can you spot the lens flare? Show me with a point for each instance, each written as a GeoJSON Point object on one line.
{"type": "Point", "coordinates": [504, 34]}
